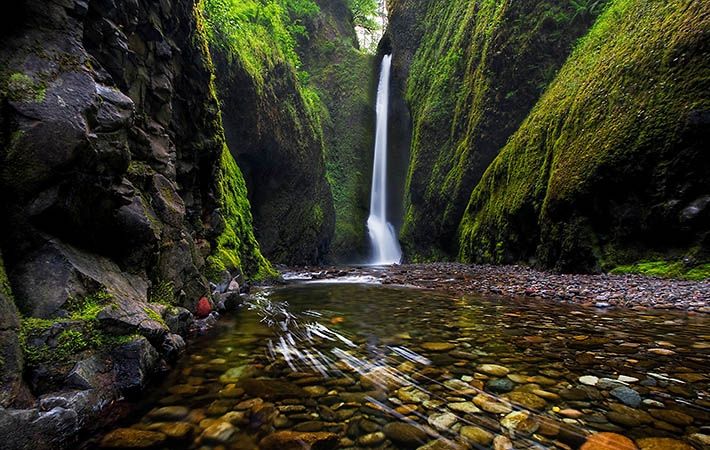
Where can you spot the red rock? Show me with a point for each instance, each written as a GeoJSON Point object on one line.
{"type": "Point", "coordinates": [204, 308]}
{"type": "Point", "coordinates": [608, 441]}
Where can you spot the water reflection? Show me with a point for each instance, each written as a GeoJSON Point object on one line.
{"type": "Point", "coordinates": [372, 366]}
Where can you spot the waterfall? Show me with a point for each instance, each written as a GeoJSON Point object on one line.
{"type": "Point", "coordinates": [385, 246]}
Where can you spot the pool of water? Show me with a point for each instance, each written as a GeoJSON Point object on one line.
{"type": "Point", "coordinates": [369, 366]}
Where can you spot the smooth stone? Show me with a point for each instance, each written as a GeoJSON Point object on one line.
{"type": "Point", "coordinates": [491, 405]}
{"type": "Point", "coordinates": [315, 391]}
{"type": "Point", "coordinates": [703, 440]}
{"type": "Point", "coordinates": [628, 416]}
{"type": "Point", "coordinates": [520, 422]}
{"type": "Point", "coordinates": [233, 375]}
{"type": "Point", "coordinates": [169, 413]}
{"type": "Point", "coordinates": [442, 421]}
{"type": "Point", "coordinates": [219, 433]}
{"type": "Point", "coordinates": [464, 407]}
{"type": "Point", "coordinates": [671, 416]}
{"type": "Point", "coordinates": [662, 444]}
{"type": "Point", "coordinates": [404, 433]}
{"type": "Point", "coordinates": [526, 399]}
{"type": "Point", "coordinates": [412, 394]}
{"type": "Point", "coordinates": [502, 443]}
{"type": "Point", "coordinates": [270, 389]}
{"type": "Point", "coordinates": [460, 387]}
{"type": "Point", "coordinates": [236, 417]}
{"type": "Point", "coordinates": [627, 396]}
{"type": "Point", "coordinates": [476, 435]}
{"type": "Point", "coordinates": [500, 385]}
{"type": "Point", "coordinates": [292, 440]}
{"type": "Point", "coordinates": [627, 379]}
{"type": "Point", "coordinates": [608, 441]}
{"type": "Point", "coordinates": [442, 444]}
{"type": "Point", "coordinates": [438, 346]}
{"type": "Point", "coordinates": [493, 370]}
{"type": "Point", "coordinates": [176, 430]}
{"type": "Point", "coordinates": [371, 439]}
{"type": "Point", "coordinates": [571, 413]}
{"type": "Point", "coordinates": [589, 380]}
{"type": "Point", "coordinates": [132, 438]}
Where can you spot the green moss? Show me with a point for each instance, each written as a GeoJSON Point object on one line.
{"type": "Point", "coordinates": [153, 315]}
{"type": "Point", "coordinates": [588, 173]}
{"type": "Point", "coordinates": [236, 246]}
{"type": "Point", "coordinates": [21, 87]}
{"type": "Point", "coordinates": [162, 292]}
{"type": "Point", "coordinates": [4, 282]}
{"type": "Point", "coordinates": [478, 71]}
{"type": "Point", "coordinates": [666, 269]}
{"type": "Point", "coordinates": [88, 307]}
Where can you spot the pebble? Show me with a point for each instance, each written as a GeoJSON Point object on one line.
{"type": "Point", "coordinates": [127, 438]}
{"type": "Point", "coordinates": [169, 413]}
{"type": "Point", "coordinates": [627, 396]}
{"type": "Point", "coordinates": [491, 405]}
{"type": "Point", "coordinates": [671, 416]}
{"type": "Point", "coordinates": [608, 441]}
{"type": "Point", "coordinates": [218, 433]}
{"type": "Point", "coordinates": [502, 443]}
{"type": "Point", "coordinates": [464, 407]}
{"type": "Point", "coordinates": [438, 346]}
{"type": "Point", "coordinates": [476, 435]}
{"type": "Point", "coordinates": [371, 439]}
{"type": "Point", "coordinates": [442, 421]}
{"type": "Point", "coordinates": [405, 434]}
{"type": "Point", "coordinates": [520, 422]}
{"type": "Point", "coordinates": [662, 444]}
{"type": "Point", "coordinates": [283, 440]}
{"type": "Point", "coordinates": [589, 380]}
{"type": "Point", "coordinates": [500, 385]}
{"type": "Point", "coordinates": [493, 370]}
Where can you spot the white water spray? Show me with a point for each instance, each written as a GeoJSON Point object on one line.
{"type": "Point", "coordinates": [386, 249]}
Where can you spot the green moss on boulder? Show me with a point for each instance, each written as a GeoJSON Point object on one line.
{"type": "Point", "coordinates": [611, 164]}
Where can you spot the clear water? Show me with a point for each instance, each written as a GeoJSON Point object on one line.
{"type": "Point", "coordinates": [351, 359]}
{"type": "Point", "coordinates": [385, 246]}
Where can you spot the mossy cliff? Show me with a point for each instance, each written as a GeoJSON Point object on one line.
{"type": "Point", "coordinates": [611, 166]}
{"type": "Point", "coordinates": [343, 77]}
{"type": "Point", "coordinates": [273, 126]}
{"type": "Point", "coordinates": [472, 71]}
{"type": "Point", "coordinates": [119, 200]}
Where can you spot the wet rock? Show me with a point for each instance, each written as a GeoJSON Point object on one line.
{"type": "Point", "coordinates": [672, 416]}
{"type": "Point", "coordinates": [491, 404]}
{"type": "Point", "coordinates": [371, 439]}
{"type": "Point", "coordinates": [270, 389]}
{"type": "Point", "coordinates": [500, 385]}
{"type": "Point", "coordinates": [520, 422]}
{"type": "Point", "coordinates": [464, 407]}
{"type": "Point", "coordinates": [218, 433]}
{"type": "Point", "coordinates": [627, 416]}
{"type": "Point", "coordinates": [172, 347]}
{"type": "Point", "coordinates": [502, 443]}
{"type": "Point", "coordinates": [627, 396]}
{"type": "Point", "coordinates": [381, 377]}
{"type": "Point", "coordinates": [291, 440]}
{"type": "Point", "coordinates": [607, 441]}
{"type": "Point", "coordinates": [589, 380]}
{"type": "Point", "coordinates": [203, 308]}
{"type": "Point", "coordinates": [56, 428]}
{"type": "Point", "coordinates": [526, 400]}
{"type": "Point", "coordinates": [405, 434]}
{"type": "Point", "coordinates": [476, 435]}
{"type": "Point", "coordinates": [702, 440]}
{"type": "Point", "coordinates": [662, 444]}
{"type": "Point", "coordinates": [493, 370]}
{"type": "Point", "coordinates": [442, 421]}
{"type": "Point", "coordinates": [177, 430]}
{"type": "Point", "coordinates": [412, 394]}
{"type": "Point", "coordinates": [133, 363]}
{"type": "Point", "coordinates": [442, 444]}
{"type": "Point", "coordinates": [86, 374]}
{"type": "Point", "coordinates": [169, 413]}
{"type": "Point", "coordinates": [125, 438]}
{"type": "Point", "coordinates": [438, 346]}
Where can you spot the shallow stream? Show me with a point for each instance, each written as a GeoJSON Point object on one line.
{"type": "Point", "coordinates": [368, 366]}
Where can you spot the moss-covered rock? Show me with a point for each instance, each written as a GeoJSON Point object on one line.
{"type": "Point", "coordinates": [610, 166]}
{"type": "Point", "coordinates": [343, 77]}
{"type": "Point", "coordinates": [473, 71]}
{"type": "Point", "coordinates": [11, 385]}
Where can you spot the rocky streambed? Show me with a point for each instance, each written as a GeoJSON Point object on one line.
{"type": "Point", "coordinates": [628, 291]}
{"type": "Point", "coordinates": [328, 365]}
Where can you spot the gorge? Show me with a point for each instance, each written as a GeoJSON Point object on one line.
{"type": "Point", "coordinates": [227, 224]}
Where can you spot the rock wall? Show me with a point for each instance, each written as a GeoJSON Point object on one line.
{"type": "Point", "coordinates": [344, 79]}
{"type": "Point", "coordinates": [611, 165]}
{"type": "Point", "coordinates": [119, 198]}
{"type": "Point", "coordinates": [469, 72]}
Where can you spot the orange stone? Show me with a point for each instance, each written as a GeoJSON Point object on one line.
{"type": "Point", "coordinates": [608, 441]}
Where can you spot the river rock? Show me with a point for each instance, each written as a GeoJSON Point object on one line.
{"type": "Point", "coordinates": [589, 380]}
{"type": "Point", "coordinates": [627, 416]}
{"type": "Point", "coordinates": [520, 422]}
{"type": "Point", "coordinates": [442, 444]}
{"type": "Point", "coordinates": [662, 444]}
{"type": "Point", "coordinates": [500, 385]}
{"type": "Point", "coordinates": [671, 416]}
{"type": "Point", "coordinates": [476, 435]}
{"type": "Point", "coordinates": [169, 413]}
{"type": "Point", "coordinates": [126, 438]}
{"type": "Point", "coordinates": [502, 443]}
{"type": "Point", "coordinates": [270, 389]}
{"type": "Point", "coordinates": [491, 404]}
{"type": "Point", "coordinates": [464, 407]}
{"type": "Point", "coordinates": [292, 440]}
{"type": "Point", "coordinates": [627, 396]}
{"type": "Point", "coordinates": [176, 430]}
{"type": "Point", "coordinates": [526, 400]}
{"type": "Point", "coordinates": [608, 441]}
{"type": "Point", "coordinates": [412, 394]}
{"type": "Point", "coordinates": [218, 433]}
{"type": "Point", "coordinates": [371, 439]}
{"type": "Point", "coordinates": [405, 434]}
{"type": "Point", "coordinates": [438, 346]}
{"type": "Point", "coordinates": [493, 370]}
{"type": "Point", "coordinates": [442, 421]}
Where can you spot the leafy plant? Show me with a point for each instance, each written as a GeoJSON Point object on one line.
{"type": "Point", "coordinates": [364, 13]}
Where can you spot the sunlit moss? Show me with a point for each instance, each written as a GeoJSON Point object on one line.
{"type": "Point", "coordinates": [666, 269]}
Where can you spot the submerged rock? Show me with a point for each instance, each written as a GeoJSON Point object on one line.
{"type": "Point", "coordinates": [292, 440]}
{"type": "Point", "coordinates": [127, 438]}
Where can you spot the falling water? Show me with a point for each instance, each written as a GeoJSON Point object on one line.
{"type": "Point", "coordinates": [386, 249]}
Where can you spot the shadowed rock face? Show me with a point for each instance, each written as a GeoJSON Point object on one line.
{"type": "Point", "coordinates": [110, 150]}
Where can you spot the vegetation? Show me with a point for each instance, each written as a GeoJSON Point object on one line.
{"type": "Point", "coordinates": [588, 179]}
{"type": "Point", "coordinates": [666, 269]}
{"type": "Point", "coordinates": [478, 71]}
{"type": "Point", "coordinates": [20, 87]}
{"type": "Point", "coordinates": [364, 13]}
